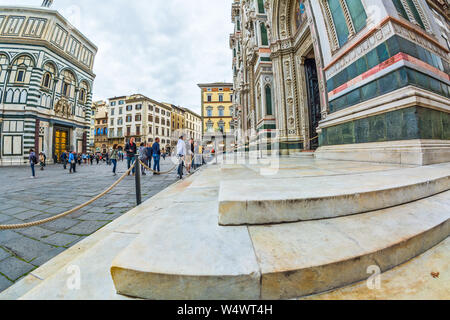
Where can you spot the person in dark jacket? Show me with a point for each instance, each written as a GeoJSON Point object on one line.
{"type": "Point", "coordinates": [156, 156]}
{"type": "Point", "coordinates": [131, 150]}
{"type": "Point", "coordinates": [65, 158]}
{"type": "Point", "coordinates": [33, 160]}
{"type": "Point", "coordinates": [149, 153]}
{"type": "Point", "coordinates": [73, 162]}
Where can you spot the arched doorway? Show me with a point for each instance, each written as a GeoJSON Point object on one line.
{"type": "Point", "coordinates": [297, 60]}
{"type": "Point", "coordinates": [313, 101]}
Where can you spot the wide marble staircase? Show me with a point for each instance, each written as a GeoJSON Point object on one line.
{"type": "Point", "coordinates": [296, 229]}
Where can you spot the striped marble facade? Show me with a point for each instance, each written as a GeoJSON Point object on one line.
{"type": "Point", "coordinates": [46, 82]}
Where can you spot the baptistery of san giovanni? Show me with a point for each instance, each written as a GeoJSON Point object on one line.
{"type": "Point", "coordinates": [352, 79]}
{"type": "Point", "coordinates": [46, 81]}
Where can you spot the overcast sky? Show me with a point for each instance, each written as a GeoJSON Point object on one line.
{"type": "Point", "coordinates": [160, 48]}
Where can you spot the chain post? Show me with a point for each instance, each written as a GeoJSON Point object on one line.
{"type": "Point", "coordinates": [137, 176]}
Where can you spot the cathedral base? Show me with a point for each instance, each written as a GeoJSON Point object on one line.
{"type": "Point", "coordinates": [408, 152]}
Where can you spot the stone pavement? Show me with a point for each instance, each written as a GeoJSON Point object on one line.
{"type": "Point", "coordinates": [53, 192]}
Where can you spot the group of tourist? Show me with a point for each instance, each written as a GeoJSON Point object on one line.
{"type": "Point", "coordinates": [189, 156]}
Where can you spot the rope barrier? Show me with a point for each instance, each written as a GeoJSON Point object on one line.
{"type": "Point", "coordinates": [167, 172]}
{"type": "Point", "coordinates": [40, 222]}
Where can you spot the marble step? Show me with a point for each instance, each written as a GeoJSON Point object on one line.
{"type": "Point", "coordinates": [185, 254]}
{"type": "Point", "coordinates": [269, 201]}
{"type": "Point", "coordinates": [426, 277]}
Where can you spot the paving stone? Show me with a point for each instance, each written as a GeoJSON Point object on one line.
{"type": "Point", "coordinates": [86, 227]}
{"type": "Point", "coordinates": [14, 268]}
{"type": "Point", "coordinates": [27, 215]}
{"type": "Point", "coordinates": [60, 224]}
{"type": "Point", "coordinates": [121, 205]}
{"type": "Point", "coordinates": [37, 232]}
{"type": "Point", "coordinates": [98, 209]}
{"type": "Point", "coordinates": [46, 256]}
{"type": "Point", "coordinates": [4, 217]}
{"type": "Point", "coordinates": [60, 239]}
{"type": "Point", "coordinates": [31, 202]}
{"type": "Point", "coordinates": [41, 216]}
{"type": "Point", "coordinates": [4, 283]}
{"type": "Point", "coordinates": [15, 210]}
{"type": "Point", "coordinates": [4, 254]}
{"type": "Point", "coordinates": [7, 236]}
{"type": "Point", "coordinates": [95, 217]}
{"type": "Point", "coordinates": [27, 249]}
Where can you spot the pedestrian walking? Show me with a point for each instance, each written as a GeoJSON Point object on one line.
{"type": "Point", "coordinates": [114, 157]}
{"type": "Point", "coordinates": [64, 159]}
{"type": "Point", "coordinates": [156, 157]}
{"type": "Point", "coordinates": [97, 158]}
{"type": "Point", "coordinates": [149, 153]}
{"type": "Point", "coordinates": [197, 156]}
{"type": "Point", "coordinates": [142, 157]}
{"type": "Point", "coordinates": [181, 153]}
{"type": "Point", "coordinates": [33, 161]}
{"type": "Point", "coordinates": [73, 162]}
{"type": "Point", "coordinates": [131, 150]}
{"type": "Point", "coordinates": [42, 161]}
{"type": "Point", "coordinates": [189, 155]}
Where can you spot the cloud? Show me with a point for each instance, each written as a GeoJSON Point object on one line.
{"type": "Point", "coordinates": [160, 48]}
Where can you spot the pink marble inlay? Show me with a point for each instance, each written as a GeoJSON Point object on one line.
{"type": "Point", "coordinates": [391, 61]}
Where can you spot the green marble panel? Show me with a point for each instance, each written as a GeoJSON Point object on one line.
{"type": "Point", "coordinates": [410, 128]}
{"type": "Point", "coordinates": [361, 65]}
{"type": "Point", "coordinates": [372, 59]}
{"type": "Point", "coordinates": [388, 83]}
{"type": "Point", "coordinates": [382, 52]}
{"type": "Point", "coordinates": [369, 91]}
{"type": "Point", "coordinates": [354, 97]}
{"type": "Point", "coordinates": [347, 132]}
{"type": "Point", "coordinates": [394, 122]}
{"type": "Point", "coordinates": [377, 128]}
{"type": "Point", "coordinates": [393, 46]}
{"type": "Point", "coordinates": [445, 126]}
{"type": "Point", "coordinates": [362, 130]}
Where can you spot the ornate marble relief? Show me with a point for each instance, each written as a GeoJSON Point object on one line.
{"type": "Point", "coordinates": [379, 36]}
{"type": "Point", "coordinates": [329, 24]}
{"type": "Point", "coordinates": [420, 40]}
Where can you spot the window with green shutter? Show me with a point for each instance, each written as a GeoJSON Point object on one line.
{"type": "Point", "coordinates": [400, 9]}
{"type": "Point", "coordinates": [261, 6]}
{"type": "Point", "coordinates": [264, 38]}
{"type": "Point", "coordinates": [357, 13]}
{"type": "Point", "coordinates": [269, 101]}
{"type": "Point", "coordinates": [337, 12]}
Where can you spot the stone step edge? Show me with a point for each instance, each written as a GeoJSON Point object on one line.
{"type": "Point", "coordinates": [355, 269]}
{"type": "Point", "coordinates": [262, 212]}
{"type": "Point", "coordinates": [350, 269]}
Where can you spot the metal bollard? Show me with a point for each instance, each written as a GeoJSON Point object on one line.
{"type": "Point", "coordinates": [137, 176]}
